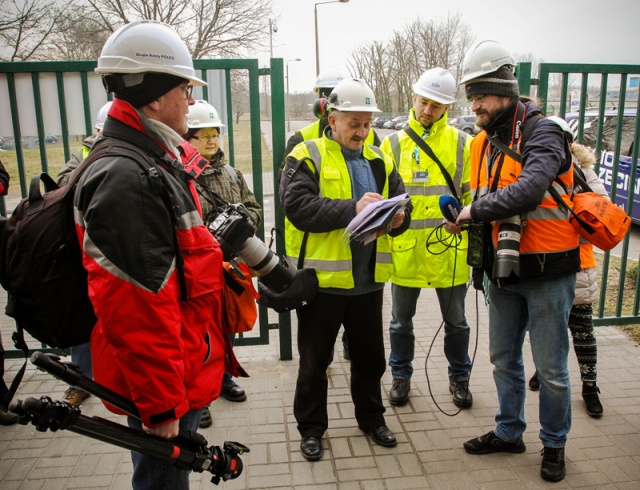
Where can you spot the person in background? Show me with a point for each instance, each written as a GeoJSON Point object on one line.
{"type": "Point", "coordinates": [325, 83]}
{"type": "Point", "coordinates": [76, 159]}
{"type": "Point", "coordinates": [328, 182]}
{"type": "Point", "coordinates": [6, 417]}
{"type": "Point", "coordinates": [229, 184]}
{"type": "Point", "coordinates": [419, 260]}
{"type": "Point", "coordinates": [581, 315]}
{"type": "Point", "coordinates": [81, 354]}
{"type": "Point", "coordinates": [154, 271]}
{"type": "Point", "coordinates": [534, 290]}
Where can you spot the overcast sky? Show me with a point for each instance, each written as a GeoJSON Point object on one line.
{"type": "Point", "coordinates": [578, 31]}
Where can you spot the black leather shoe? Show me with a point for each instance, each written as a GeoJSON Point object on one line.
{"type": "Point", "coordinates": [205, 419]}
{"type": "Point", "coordinates": [552, 468]}
{"type": "Point", "coordinates": [462, 397]}
{"type": "Point", "coordinates": [311, 448]}
{"type": "Point", "coordinates": [383, 436]}
{"type": "Point", "coordinates": [233, 393]}
{"type": "Point", "coordinates": [592, 400]}
{"type": "Point", "coordinates": [491, 443]}
{"type": "Point", "coordinates": [534, 382]}
{"type": "Point", "coordinates": [399, 394]}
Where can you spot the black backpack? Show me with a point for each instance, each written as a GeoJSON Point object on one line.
{"type": "Point", "coordinates": [41, 264]}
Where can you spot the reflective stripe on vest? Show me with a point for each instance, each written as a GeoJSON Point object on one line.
{"type": "Point", "coordinates": [328, 252]}
{"type": "Point", "coordinates": [546, 229]}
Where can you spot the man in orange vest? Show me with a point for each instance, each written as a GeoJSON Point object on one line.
{"type": "Point", "coordinates": [531, 253]}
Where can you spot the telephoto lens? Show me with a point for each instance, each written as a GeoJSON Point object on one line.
{"type": "Point", "coordinates": [507, 263]}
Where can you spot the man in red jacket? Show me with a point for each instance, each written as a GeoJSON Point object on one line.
{"type": "Point", "coordinates": [158, 340]}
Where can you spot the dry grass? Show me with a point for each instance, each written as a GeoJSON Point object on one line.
{"type": "Point", "coordinates": [612, 290]}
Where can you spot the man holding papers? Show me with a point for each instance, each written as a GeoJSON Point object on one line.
{"type": "Point", "coordinates": [433, 160]}
{"type": "Point", "coordinates": [325, 183]}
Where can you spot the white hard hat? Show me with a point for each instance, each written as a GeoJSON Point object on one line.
{"type": "Point", "coordinates": [438, 85]}
{"type": "Point", "coordinates": [329, 79]}
{"type": "Point", "coordinates": [203, 115]}
{"type": "Point", "coordinates": [353, 95]}
{"type": "Point", "coordinates": [564, 125]}
{"type": "Point", "coordinates": [485, 57]}
{"type": "Point", "coordinates": [102, 115]}
{"type": "Point", "coordinates": [147, 46]}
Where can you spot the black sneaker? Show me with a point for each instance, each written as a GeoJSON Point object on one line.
{"type": "Point", "coordinates": [552, 464]}
{"type": "Point", "coordinates": [491, 443]}
{"type": "Point", "coordinates": [206, 420]}
{"type": "Point", "coordinates": [233, 393]}
{"type": "Point", "coordinates": [534, 382]}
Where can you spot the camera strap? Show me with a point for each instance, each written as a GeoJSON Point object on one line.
{"type": "Point", "coordinates": [427, 149]}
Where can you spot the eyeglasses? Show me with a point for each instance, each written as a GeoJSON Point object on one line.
{"type": "Point", "coordinates": [188, 90]}
{"type": "Point", "coordinates": [476, 98]}
{"type": "Point", "coordinates": [206, 137]}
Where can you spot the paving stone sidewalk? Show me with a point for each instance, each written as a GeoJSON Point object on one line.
{"type": "Point", "coordinates": [602, 453]}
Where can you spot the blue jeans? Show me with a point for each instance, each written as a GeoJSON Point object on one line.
{"type": "Point", "coordinates": [81, 357]}
{"type": "Point", "coordinates": [543, 307]}
{"type": "Point", "coordinates": [154, 474]}
{"type": "Point", "coordinates": [456, 331]}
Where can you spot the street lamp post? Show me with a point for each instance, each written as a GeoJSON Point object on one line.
{"type": "Point", "coordinates": [287, 108]}
{"type": "Point", "coordinates": [315, 12]}
{"type": "Point", "coordinates": [273, 28]}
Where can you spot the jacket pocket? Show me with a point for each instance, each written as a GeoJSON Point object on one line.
{"type": "Point", "coordinates": [404, 257]}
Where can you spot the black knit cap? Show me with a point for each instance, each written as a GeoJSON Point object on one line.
{"type": "Point", "coordinates": [501, 82]}
{"type": "Point", "coordinates": [153, 85]}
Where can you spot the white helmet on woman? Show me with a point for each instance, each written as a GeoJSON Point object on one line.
{"type": "Point", "coordinates": [203, 115]}
{"type": "Point", "coordinates": [484, 58]}
{"type": "Point", "coordinates": [438, 85]}
{"type": "Point", "coordinates": [353, 95]}
{"type": "Point", "coordinates": [147, 46]}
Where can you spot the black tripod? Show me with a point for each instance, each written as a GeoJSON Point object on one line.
{"type": "Point", "coordinates": [187, 451]}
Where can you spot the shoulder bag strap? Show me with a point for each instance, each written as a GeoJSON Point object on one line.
{"type": "Point", "coordinates": [427, 149]}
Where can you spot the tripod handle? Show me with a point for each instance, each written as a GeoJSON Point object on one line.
{"type": "Point", "coordinates": [70, 374]}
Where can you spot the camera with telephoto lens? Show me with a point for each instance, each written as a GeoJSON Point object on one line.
{"type": "Point", "coordinates": [507, 259]}
{"type": "Point", "coordinates": [231, 225]}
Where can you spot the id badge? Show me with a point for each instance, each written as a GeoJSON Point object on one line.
{"type": "Point", "coordinates": [420, 176]}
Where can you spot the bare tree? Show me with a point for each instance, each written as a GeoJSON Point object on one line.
{"type": "Point", "coordinates": [79, 36]}
{"type": "Point", "coordinates": [393, 67]}
{"type": "Point", "coordinates": [26, 25]}
{"type": "Point", "coordinates": [239, 93]}
{"type": "Point", "coordinates": [225, 28]}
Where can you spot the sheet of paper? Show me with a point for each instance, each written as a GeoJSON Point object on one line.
{"type": "Point", "coordinates": [374, 217]}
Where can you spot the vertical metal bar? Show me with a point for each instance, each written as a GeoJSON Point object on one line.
{"type": "Point", "coordinates": [88, 123]}
{"type": "Point", "coordinates": [278, 137]}
{"type": "Point", "coordinates": [227, 78]}
{"type": "Point", "coordinates": [616, 169]}
{"type": "Point", "coordinates": [524, 78]}
{"type": "Point", "coordinates": [563, 93]}
{"type": "Point", "coordinates": [17, 135]}
{"type": "Point", "coordinates": [63, 114]}
{"type": "Point", "coordinates": [205, 88]}
{"type": "Point", "coordinates": [543, 86]}
{"type": "Point", "coordinates": [37, 102]}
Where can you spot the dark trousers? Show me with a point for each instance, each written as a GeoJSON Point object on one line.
{"type": "Point", "coordinates": [318, 326]}
{"type": "Point", "coordinates": [3, 386]}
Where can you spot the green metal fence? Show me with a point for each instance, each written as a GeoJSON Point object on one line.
{"type": "Point", "coordinates": [65, 95]}
{"type": "Point", "coordinates": [620, 95]}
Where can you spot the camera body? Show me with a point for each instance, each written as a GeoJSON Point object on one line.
{"type": "Point", "coordinates": [507, 258]}
{"type": "Point", "coordinates": [231, 225]}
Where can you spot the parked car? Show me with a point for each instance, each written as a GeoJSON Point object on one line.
{"type": "Point", "coordinates": [379, 121]}
{"type": "Point", "coordinates": [391, 124]}
{"type": "Point", "coordinates": [1, 141]}
{"type": "Point", "coordinates": [404, 121]}
{"type": "Point", "coordinates": [465, 123]}
{"type": "Point", "coordinates": [11, 145]}
{"type": "Point", "coordinates": [49, 139]}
